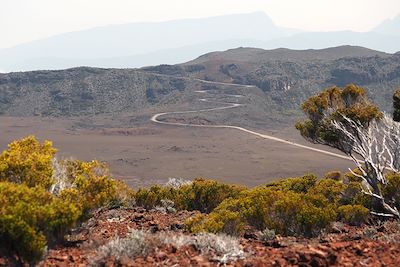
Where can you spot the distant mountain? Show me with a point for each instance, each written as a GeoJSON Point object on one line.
{"type": "Point", "coordinates": [389, 27]}
{"type": "Point", "coordinates": [102, 45]}
{"type": "Point", "coordinates": [165, 56]}
{"type": "Point", "coordinates": [148, 44]}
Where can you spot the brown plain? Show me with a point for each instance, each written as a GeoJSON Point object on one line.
{"type": "Point", "coordinates": [151, 153]}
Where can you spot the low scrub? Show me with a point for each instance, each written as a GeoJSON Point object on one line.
{"type": "Point", "coordinates": [138, 243]}
{"type": "Point", "coordinates": [202, 195]}
{"type": "Point", "coordinates": [295, 206]}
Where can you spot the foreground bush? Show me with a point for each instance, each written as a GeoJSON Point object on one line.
{"type": "Point", "coordinates": [91, 185]}
{"type": "Point", "coordinates": [29, 162]}
{"type": "Point", "coordinates": [29, 217]}
{"type": "Point", "coordinates": [41, 198]}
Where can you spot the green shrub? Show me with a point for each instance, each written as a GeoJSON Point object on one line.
{"type": "Point", "coordinates": [150, 198]}
{"type": "Point", "coordinates": [202, 195]}
{"type": "Point", "coordinates": [29, 162]}
{"type": "Point", "coordinates": [296, 184]}
{"type": "Point", "coordinates": [391, 191]}
{"type": "Point", "coordinates": [20, 241]}
{"type": "Point", "coordinates": [94, 184]}
{"type": "Point", "coordinates": [353, 214]}
{"type": "Point", "coordinates": [331, 189]}
{"type": "Point", "coordinates": [286, 211]}
{"type": "Point", "coordinates": [29, 216]}
{"type": "Point", "coordinates": [334, 175]}
{"type": "Point", "coordinates": [205, 195]}
{"type": "Point", "coordinates": [32, 214]}
{"type": "Point", "coordinates": [222, 221]}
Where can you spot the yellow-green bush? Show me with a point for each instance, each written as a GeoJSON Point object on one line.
{"type": "Point", "coordinates": [202, 195]}
{"type": "Point", "coordinates": [334, 175]}
{"type": "Point", "coordinates": [331, 189]}
{"type": "Point", "coordinates": [332, 103]}
{"type": "Point", "coordinates": [296, 184]}
{"type": "Point", "coordinates": [92, 185]}
{"type": "Point", "coordinates": [391, 190]}
{"type": "Point", "coordinates": [353, 214]}
{"type": "Point", "coordinates": [149, 198]}
{"type": "Point", "coordinates": [29, 162]}
{"type": "Point", "coordinates": [29, 216]}
{"type": "Point", "coordinates": [32, 215]}
{"type": "Point", "coordinates": [205, 195]}
{"type": "Point", "coordinates": [287, 212]}
{"type": "Point", "coordinates": [296, 206]}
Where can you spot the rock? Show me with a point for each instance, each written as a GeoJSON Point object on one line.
{"type": "Point", "coordinates": [161, 256]}
{"type": "Point", "coordinates": [127, 262]}
{"type": "Point", "coordinates": [176, 226]}
{"type": "Point", "coordinates": [138, 218]}
{"type": "Point", "coordinates": [251, 235]}
{"type": "Point", "coordinates": [153, 228]}
{"type": "Point", "coordinates": [337, 227]}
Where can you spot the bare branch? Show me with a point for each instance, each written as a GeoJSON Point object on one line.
{"type": "Point", "coordinates": [377, 144]}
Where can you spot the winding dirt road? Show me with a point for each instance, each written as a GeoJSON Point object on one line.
{"type": "Point", "coordinates": [155, 119]}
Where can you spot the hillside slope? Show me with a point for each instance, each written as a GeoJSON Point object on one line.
{"type": "Point", "coordinates": [85, 91]}
{"type": "Point", "coordinates": [283, 79]}
{"type": "Point", "coordinates": [288, 77]}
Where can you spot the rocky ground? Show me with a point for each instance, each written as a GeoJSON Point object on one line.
{"type": "Point", "coordinates": [169, 245]}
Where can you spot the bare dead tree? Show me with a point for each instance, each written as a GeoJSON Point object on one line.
{"type": "Point", "coordinates": [375, 149]}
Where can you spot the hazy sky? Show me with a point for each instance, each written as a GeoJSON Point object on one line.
{"type": "Point", "coordinates": [25, 20]}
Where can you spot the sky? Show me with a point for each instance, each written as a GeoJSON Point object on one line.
{"type": "Point", "coordinates": [26, 20]}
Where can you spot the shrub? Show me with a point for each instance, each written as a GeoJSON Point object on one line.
{"type": "Point", "coordinates": [150, 198]}
{"type": "Point", "coordinates": [285, 211]}
{"type": "Point", "coordinates": [353, 195]}
{"type": "Point", "coordinates": [41, 198]}
{"type": "Point", "coordinates": [296, 184]}
{"type": "Point", "coordinates": [296, 206]}
{"type": "Point", "coordinates": [334, 175]}
{"type": "Point", "coordinates": [29, 216]}
{"type": "Point", "coordinates": [223, 220]}
{"type": "Point", "coordinates": [135, 244]}
{"type": "Point", "coordinates": [205, 195]}
{"type": "Point", "coordinates": [225, 249]}
{"type": "Point", "coordinates": [331, 189]}
{"type": "Point", "coordinates": [267, 235]}
{"type": "Point", "coordinates": [92, 186]}
{"type": "Point", "coordinates": [20, 241]}
{"type": "Point", "coordinates": [29, 162]}
{"type": "Point", "coordinates": [202, 195]}
{"type": "Point", "coordinates": [391, 190]}
{"type": "Point", "coordinates": [353, 214]}
{"type": "Point", "coordinates": [167, 206]}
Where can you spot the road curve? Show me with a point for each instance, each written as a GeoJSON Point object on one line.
{"type": "Point", "coordinates": [155, 119]}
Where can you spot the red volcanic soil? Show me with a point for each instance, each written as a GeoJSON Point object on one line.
{"type": "Point", "coordinates": [344, 246]}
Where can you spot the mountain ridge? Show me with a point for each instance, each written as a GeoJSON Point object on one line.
{"type": "Point", "coordinates": [143, 44]}
{"type": "Point", "coordinates": [281, 84]}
